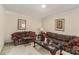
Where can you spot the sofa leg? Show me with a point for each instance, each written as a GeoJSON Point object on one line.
{"type": "Point", "coordinates": [16, 43]}
{"type": "Point", "coordinates": [34, 45]}
{"type": "Point", "coordinates": [53, 51]}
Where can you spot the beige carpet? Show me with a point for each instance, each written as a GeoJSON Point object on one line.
{"type": "Point", "coordinates": [27, 49]}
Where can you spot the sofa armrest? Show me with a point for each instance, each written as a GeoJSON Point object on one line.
{"type": "Point", "coordinates": [14, 38]}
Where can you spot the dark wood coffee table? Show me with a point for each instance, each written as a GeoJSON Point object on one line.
{"type": "Point", "coordinates": [52, 50]}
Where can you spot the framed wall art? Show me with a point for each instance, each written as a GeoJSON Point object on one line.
{"type": "Point", "coordinates": [21, 24]}
{"type": "Point", "coordinates": [59, 24]}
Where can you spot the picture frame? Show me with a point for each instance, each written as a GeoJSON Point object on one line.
{"type": "Point", "coordinates": [59, 24]}
{"type": "Point", "coordinates": [21, 24]}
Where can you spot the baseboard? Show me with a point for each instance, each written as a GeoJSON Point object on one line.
{"type": "Point", "coordinates": [6, 43]}
{"type": "Point", "coordinates": [2, 49]}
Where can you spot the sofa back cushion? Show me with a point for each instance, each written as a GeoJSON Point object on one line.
{"type": "Point", "coordinates": [67, 38]}
{"type": "Point", "coordinates": [27, 33]}
{"type": "Point", "coordinates": [22, 34]}
{"type": "Point", "coordinates": [61, 37]}
{"type": "Point", "coordinates": [51, 35]}
{"type": "Point", "coordinates": [32, 34]}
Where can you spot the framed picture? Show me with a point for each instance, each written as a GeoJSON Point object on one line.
{"type": "Point", "coordinates": [59, 24]}
{"type": "Point", "coordinates": [21, 24]}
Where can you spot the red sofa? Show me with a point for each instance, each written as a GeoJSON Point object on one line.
{"type": "Point", "coordinates": [18, 37]}
{"type": "Point", "coordinates": [70, 43]}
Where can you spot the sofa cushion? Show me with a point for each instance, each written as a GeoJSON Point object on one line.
{"type": "Point", "coordinates": [59, 37]}
{"type": "Point", "coordinates": [17, 35]}
{"type": "Point", "coordinates": [51, 35]}
{"type": "Point", "coordinates": [27, 33]}
{"type": "Point", "coordinates": [32, 34]}
{"type": "Point", "coordinates": [22, 34]}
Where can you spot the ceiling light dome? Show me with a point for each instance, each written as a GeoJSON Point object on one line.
{"type": "Point", "coordinates": [43, 6]}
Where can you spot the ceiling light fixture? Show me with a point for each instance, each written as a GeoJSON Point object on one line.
{"type": "Point", "coordinates": [43, 6]}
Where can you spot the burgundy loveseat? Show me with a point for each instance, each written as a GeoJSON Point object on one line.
{"type": "Point", "coordinates": [18, 37]}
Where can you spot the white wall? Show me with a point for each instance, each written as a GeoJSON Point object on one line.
{"type": "Point", "coordinates": [1, 27]}
{"type": "Point", "coordinates": [32, 24]}
{"type": "Point", "coordinates": [71, 22]}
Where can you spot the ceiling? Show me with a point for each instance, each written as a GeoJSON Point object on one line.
{"type": "Point", "coordinates": [35, 10]}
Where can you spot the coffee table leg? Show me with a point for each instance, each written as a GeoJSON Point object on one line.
{"type": "Point", "coordinates": [61, 52]}
{"type": "Point", "coordinates": [53, 51]}
{"type": "Point", "coordinates": [34, 44]}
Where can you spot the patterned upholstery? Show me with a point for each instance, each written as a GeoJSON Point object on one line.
{"type": "Point", "coordinates": [74, 42]}
{"type": "Point", "coordinates": [17, 37]}
{"type": "Point", "coordinates": [68, 41]}
{"type": "Point", "coordinates": [60, 37]}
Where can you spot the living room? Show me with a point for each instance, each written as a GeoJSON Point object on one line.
{"type": "Point", "coordinates": [38, 17]}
